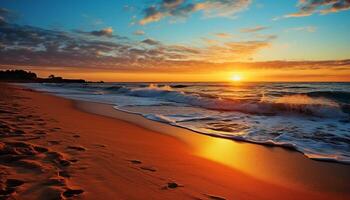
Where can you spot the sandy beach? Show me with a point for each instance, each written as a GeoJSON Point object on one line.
{"type": "Point", "coordinates": [54, 148]}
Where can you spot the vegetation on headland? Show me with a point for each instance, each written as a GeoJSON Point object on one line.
{"type": "Point", "coordinates": [24, 76]}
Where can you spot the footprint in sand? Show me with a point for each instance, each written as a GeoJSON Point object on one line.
{"type": "Point", "coordinates": [214, 197]}
{"type": "Point", "coordinates": [31, 165]}
{"type": "Point", "coordinates": [57, 158]}
{"type": "Point", "coordinates": [73, 160]}
{"type": "Point", "coordinates": [135, 161]}
{"type": "Point", "coordinates": [146, 168]}
{"type": "Point", "coordinates": [77, 148]}
{"type": "Point", "coordinates": [64, 174]}
{"type": "Point", "coordinates": [41, 149]}
{"type": "Point", "coordinates": [72, 192]}
{"type": "Point", "coordinates": [100, 145]}
{"type": "Point", "coordinates": [55, 129]}
{"type": "Point", "coordinates": [5, 192]}
{"type": "Point", "coordinates": [172, 185]}
{"type": "Point", "coordinates": [51, 192]}
{"type": "Point", "coordinates": [56, 182]}
{"type": "Point", "coordinates": [16, 151]}
{"type": "Point", "coordinates": [39, 132]}
{"type": "Point", "coordinates": [54, 142]}
{"type": "Point", "coordinates": [18, 132]}
{"type": "Point", "coordinates": [14, 182]}
{"type": "Point", "coordinates": [29, 138]}
{"type": "Point", "coordinates": [151, 169]}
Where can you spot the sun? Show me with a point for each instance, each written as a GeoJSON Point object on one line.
{"type": "Point", "coordinates": [236, 78]}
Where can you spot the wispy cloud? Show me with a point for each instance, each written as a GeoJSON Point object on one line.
{"type": "Point", "coordinates": [309, 7]}
{"type": "Point", "coordinates": [139, 32]}
{"type": "Point", "coordinates": [253, 29]}
{"type": "Point", "coordinates": [223, 35]}
{"type": "Point", "coordinates": [309, 29]}
{"type": "Point", "coordinates": [183, 8]}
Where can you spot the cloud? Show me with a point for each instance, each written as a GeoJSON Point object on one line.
{"type": "Point", "coordinates": [208, 41]}
{"type": "Point", "coordinates": [28, 45]}
{"type": "Point", "coordinates": [223, 35]}
{"type": "Point", "coordinates": [253, 29]}
{"type": "Point", "coordinates": [151, 15]}
{"type": "Point", "coordinates": [32, 46]}
{"type": "Point", "coordinates": [107, 32]}
{"type": "Point", "coordinates": [309, 29]}
{"type": "Point", "coordinates": [309, 7]}
{"type": "Point", "coordinates": [6, 15]}
{"type": "Point", "coordinates": [223, 8]}
{"type": "Point", "coordinates": [266, 36]}
{"type": "Point", "coordinates": [139, 32]}
{"type": "Point", "coordinates": [150, 42]}
{"type": "Point", "coordinates": [232, 51]}
{"type": "Point", "coordinates": [183, 8]}
{"type": "Point", "coordinates": [304, 65]}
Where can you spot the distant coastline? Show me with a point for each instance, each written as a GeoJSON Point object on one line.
{"type": "Point", "coordinates": [30, 77]}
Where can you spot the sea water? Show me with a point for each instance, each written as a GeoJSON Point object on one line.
{"type": "Point", "coordinates": [313, 118]}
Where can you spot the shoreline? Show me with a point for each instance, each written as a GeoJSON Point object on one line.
{"type": "Point", "coordinates": [308, 150]}
{"type": "Point", "coordinates": [117, 159]}
{"type": "Point", "coordinates": [280, 174]}
{"type": "Point", "coordinates": [266, 144]}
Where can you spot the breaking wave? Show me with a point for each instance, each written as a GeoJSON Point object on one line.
{"type": "Point", "coordinates": [296, 104]}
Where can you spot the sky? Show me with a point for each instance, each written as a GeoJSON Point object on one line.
{"type": "Point", "coordinates": [178, 40]}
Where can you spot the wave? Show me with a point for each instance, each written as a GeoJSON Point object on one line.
{"type": "Point", "coordinates": [339, 96]}
{"type": "Point", "coordinates": [325, 104]}
{"type": "Point", "coordinates": [297, 104]}
{"type": "Point", "coordinates": [179, 86]}
{"type": "Point", "coordinates": [159, 118]}
{"type": "Point", "coordinates": [118, 89]}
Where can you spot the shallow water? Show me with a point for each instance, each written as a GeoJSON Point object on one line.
{"type": "Point", "coordinates": [313, 118]}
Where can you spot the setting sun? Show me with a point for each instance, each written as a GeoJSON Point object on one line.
{"type": "Point", "coordinates": [236, 77]}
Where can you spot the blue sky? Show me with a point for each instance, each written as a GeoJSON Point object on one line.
{"type": "Point", "coordinates": [293, 42]}
{"type": "Point", "coordinates": [210, 31]}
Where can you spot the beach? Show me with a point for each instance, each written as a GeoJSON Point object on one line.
{"type": "Point", "coordinates": [55, 148]}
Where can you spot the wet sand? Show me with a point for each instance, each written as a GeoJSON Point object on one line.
{"type": "Point", "coordinates": [54, 148]}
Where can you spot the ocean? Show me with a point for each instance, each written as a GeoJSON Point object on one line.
{"type": "Point", "coordinates": [313, 118]}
